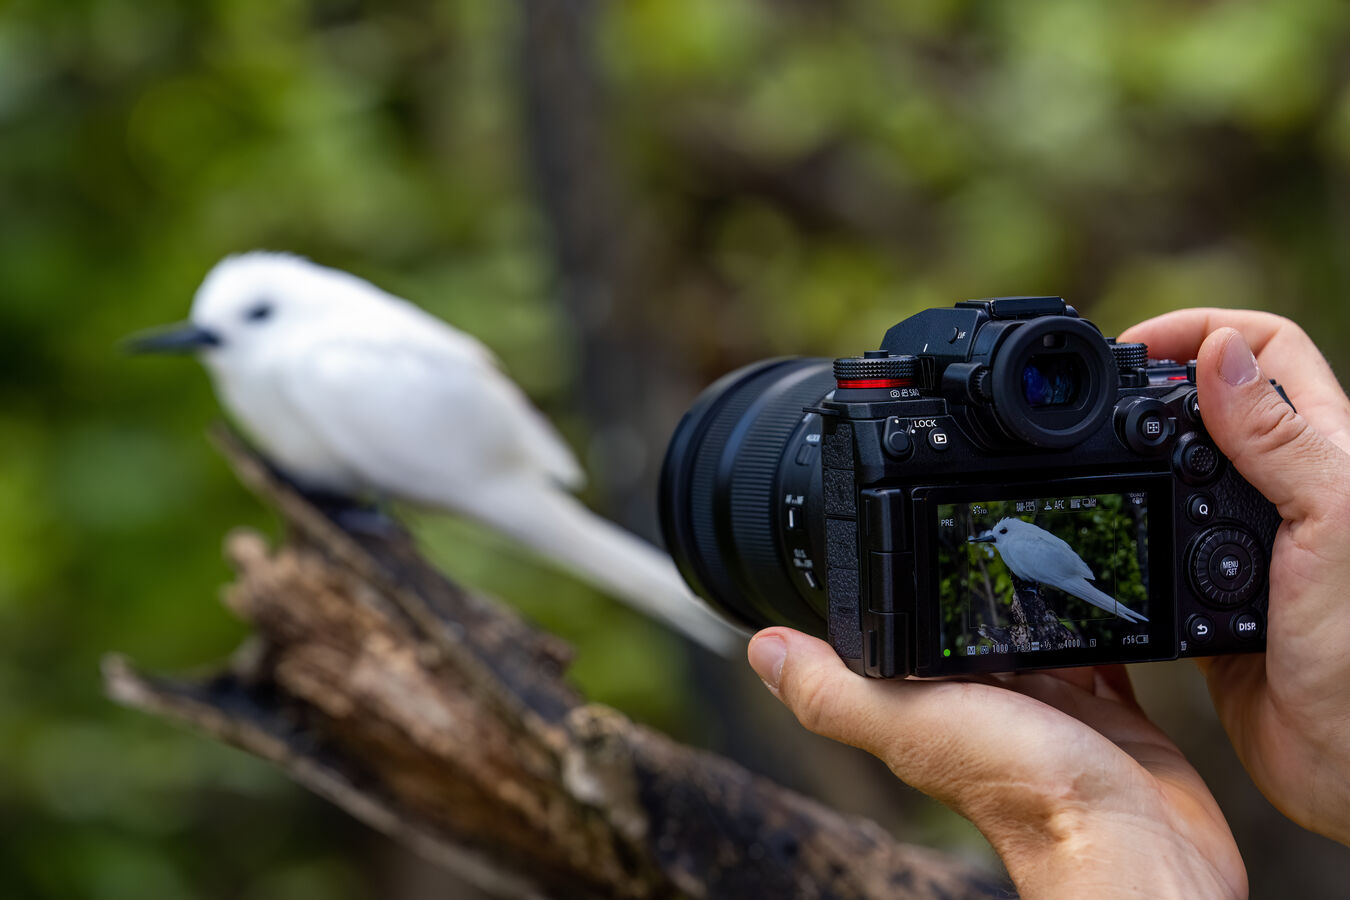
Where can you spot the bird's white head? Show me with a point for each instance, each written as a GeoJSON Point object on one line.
{"type": "Point", "coordinates": [259, 304]}
{"type": "Point", "coordinates": [1001, 531]}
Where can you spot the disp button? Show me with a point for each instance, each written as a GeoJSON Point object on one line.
{"type": "Point", "coordinates": [1246, 627]}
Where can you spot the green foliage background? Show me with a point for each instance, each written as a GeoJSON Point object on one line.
{"type": "Point", "coordinates": [819, 170]}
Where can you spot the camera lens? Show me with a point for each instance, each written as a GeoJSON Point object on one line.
{"type": "Point", "coordinates": [1053, 381]}
{"type": "Point", "coordinates": [738, 459]}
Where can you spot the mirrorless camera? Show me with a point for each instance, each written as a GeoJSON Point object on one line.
{"type": "Point", "coordinates": [998, 488]}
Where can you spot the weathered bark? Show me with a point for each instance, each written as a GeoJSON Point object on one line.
{"type": "Point", "coordinates": [1032, 622]}
{"type": "Point", "coordinates": [441, 718]}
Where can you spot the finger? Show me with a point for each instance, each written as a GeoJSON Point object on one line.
{"type": "Point", "coordinates": [1107, 682]}
{"type": "Point", "coordinates": [1081, 677]}
{"type": "Point", "coordinates": [1099, 706]}
{"type": "Point", "coordinates": [1113, 683]}
{"type": "Point", "coordinates": [1179, 334]}
{"type": "Point", "coordinates": [1281, 347]}
{"type": "Point", "coordinates": [952, 740]}
{"type": "Point", "coordinates": [1274, 447]}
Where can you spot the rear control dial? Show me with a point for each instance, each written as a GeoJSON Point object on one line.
{"type": "Point", "coordinates": [1226, 567]}
{"type": "Point", "coordinates": [1130, 356]}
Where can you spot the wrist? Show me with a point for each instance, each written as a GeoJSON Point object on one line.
{"type": "Point", "coordinates": [1073, 856]}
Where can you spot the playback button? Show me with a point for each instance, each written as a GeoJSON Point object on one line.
{"type": "Point", "coordinates": [938, 440]}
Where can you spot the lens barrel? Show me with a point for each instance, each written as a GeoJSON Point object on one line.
{"type": "Point", "coordinates": [730, 462]}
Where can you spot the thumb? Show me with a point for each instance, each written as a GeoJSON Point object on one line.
{"type": "Point", "coordinates": [966, 744]}
{"type": "Point", "coordinates": [1274, 447]}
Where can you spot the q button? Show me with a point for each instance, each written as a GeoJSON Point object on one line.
{"type": "Point", "coordinates": [1200, 509]}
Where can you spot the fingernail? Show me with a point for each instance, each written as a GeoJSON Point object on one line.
{"type": "Point", "coordinates": [766, 656]}
{"type": "Point", "coordinates": [1238, 365]}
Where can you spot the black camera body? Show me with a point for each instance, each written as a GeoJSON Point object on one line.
{"type": "Point", "coordinates": [998, 488]}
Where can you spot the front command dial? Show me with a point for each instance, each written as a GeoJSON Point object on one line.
{"type": "Point", "coordinates": [1226, 567]}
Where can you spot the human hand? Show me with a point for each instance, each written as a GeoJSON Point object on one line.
{"type": "Point", "coordinates": [1078, 792]}
{"type": "Point", "coordinates": [1287, 711]}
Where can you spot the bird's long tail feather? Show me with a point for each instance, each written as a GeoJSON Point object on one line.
{"type": "Point", "coordinates": [557, 526]}
{"type": "Point", "coordinates": [1092, 594]}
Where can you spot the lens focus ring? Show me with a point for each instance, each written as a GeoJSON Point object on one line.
{"type": "Point", "coordinates": [718, 509]}
{"type": "Point", "coordinates": [757, 460]}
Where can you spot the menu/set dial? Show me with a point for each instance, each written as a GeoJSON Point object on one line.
{"type": "Point", "coordinates": [1226, 567]}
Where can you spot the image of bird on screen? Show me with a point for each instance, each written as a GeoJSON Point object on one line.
{"type": "Point", "coordinates": [1034, 554]}
{"type": "Point", "coordinates": [1081, 561]}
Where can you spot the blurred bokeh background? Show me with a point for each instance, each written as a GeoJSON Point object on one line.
{"type": "Point", "coordinates": [624, 199]}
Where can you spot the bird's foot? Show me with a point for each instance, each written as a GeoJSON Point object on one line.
{"type": "Point", "coordinates": [286, 478]}
{"type": "Point", "coordinates": [354, 516]}
{"type": "Point", "coordinates": [349, 513]}
{"type": "Point", "coordinates": [365, 521]}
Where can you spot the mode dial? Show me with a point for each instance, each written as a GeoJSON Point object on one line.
{"type": "Point", "coordinates": [876, 369]}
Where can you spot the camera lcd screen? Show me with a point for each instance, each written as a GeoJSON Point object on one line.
{"type": "Point", "coordinates": [1053, 579]}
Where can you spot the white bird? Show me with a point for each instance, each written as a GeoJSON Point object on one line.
{"type": "Point", "coordinates": [1034, 554]}
{"type": "Point", "coordinates": [353, 391]}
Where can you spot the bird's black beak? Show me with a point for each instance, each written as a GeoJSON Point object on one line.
{"type": "Point", "coordinates": [181, 338]}
{"type": "Point", "coordinates": [986, 538]}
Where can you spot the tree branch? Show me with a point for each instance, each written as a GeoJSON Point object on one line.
{"type": "Point", "coordinates": [442, 719]}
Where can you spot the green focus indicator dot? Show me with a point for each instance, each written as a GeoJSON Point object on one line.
{"type": "Point", "coordinates": [947, 652]}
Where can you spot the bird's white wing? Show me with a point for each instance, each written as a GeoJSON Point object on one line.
{"type": "Point", "coordinates": [450, 346]}
{"type": "Point", "coordinates": [462, 438]}
{"type": "Point", "coordinates": [1052, 561]}
{"type": "Point", "coordinates": [1056, 558]}
{"type": "Point", "coordinates": [420, 423]}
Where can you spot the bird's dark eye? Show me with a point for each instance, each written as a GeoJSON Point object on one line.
{"type": "Point", "coordinates": [258, 311]}
{"type": "Point", "coordinates": [1003, 531]}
